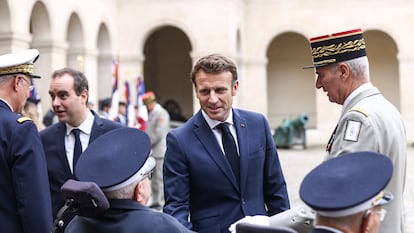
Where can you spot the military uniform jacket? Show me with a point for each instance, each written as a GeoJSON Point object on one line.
{"type": "Point", "coordinates": [127, 216]}
{"type": "Point", "coordinates": [319, 230]}
{"type": "Point", "coordinates": [25, 199]}
{"type": "Point", "coordinates": [372, 123]}
{"type": "Point", "coordinates": [158, 125]}
{"type": "Point", "coordinates": [53, 139]}
{"type": "Point", "coordinates": [199, 183]}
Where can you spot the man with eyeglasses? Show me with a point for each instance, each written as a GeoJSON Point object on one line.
{"type": "Point", "coordinates": [347, 192]}
{"type": "Point", "coordinates": [122, 170]}
{"type": "Point", "coordinates": [25, 204]}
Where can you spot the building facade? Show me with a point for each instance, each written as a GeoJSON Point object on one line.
{"type": "Point", "coordinates": [159, 41]}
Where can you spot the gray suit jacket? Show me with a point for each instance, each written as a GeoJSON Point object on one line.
{"type": "Point", "coordinates": [372, 123]}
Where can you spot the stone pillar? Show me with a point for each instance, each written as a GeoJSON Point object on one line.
{"type": "Point", "coordinates": [11, 42]}
{"type": "Point", "coordinates": [406, 71]}
{"type": "Point", "coordinates": [252, 94]}
{"type": "Point", "coordinates": [130, 67]}
{"type": "Point", "coordinates": [52, 57]}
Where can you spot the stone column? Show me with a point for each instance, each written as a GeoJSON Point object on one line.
{"type": "Point", "coordinates": [252, 94]}
{"type": "Point", "coordinates": [406, 71]}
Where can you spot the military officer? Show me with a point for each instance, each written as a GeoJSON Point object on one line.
{"type": "Point", "coordinates": [368, 122]}
{"type": "Point", "coordinates": [123, 172]}
{"type": "Point", "coordinates": [25, 204]}
{"type": "Point", "coordinates": [347, 192]}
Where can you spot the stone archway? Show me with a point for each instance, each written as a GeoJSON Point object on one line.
{"type": "Point", "coordinates": [382, 53]}
{"type": "Point", "coordinates": [167, 67]}
{"type": "Point", "coordinates": [291, 90]}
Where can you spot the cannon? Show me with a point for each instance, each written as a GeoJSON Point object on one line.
{"type": "Point", "coordinates": [291, 132]}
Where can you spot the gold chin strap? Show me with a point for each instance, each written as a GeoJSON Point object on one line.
{"type": "Point", "coordinates": [378, 198]}
{"type": "Point", "coordinates": [24, 68]}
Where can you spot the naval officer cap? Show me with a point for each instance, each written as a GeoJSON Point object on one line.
{"type": "Point", "coordinates": [337, 47]}
{"type": "Point", "coordinates": [116, 159]}
{"type": "Point", "coordinates": [19, 63]}
{"type": "Point", "coordinates": [348, 184]}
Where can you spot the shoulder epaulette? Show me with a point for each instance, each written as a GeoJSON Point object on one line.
{"type": "Point", "coordinates": [360, 110]}
{"type": "Point", "coordinates": [23, 119]}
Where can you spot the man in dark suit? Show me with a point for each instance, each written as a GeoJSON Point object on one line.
{"type": "Point", "coordinates": [212, 179]}
{"type": "Point", "coordinates": [24, 200]}
{"type": "Point", "coordinates": [69, 93]}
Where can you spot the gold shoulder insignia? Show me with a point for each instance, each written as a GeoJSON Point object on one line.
{"type": "Point", "coordinates": [360, 110]}
{"type": "Point", "coordinates": [23, 119]}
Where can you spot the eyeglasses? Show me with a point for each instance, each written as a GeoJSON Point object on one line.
{"type": "Point", "coordinates": [28, 83]}
{"type": "Point", "coordinates": [148, 174]}
{"type": "Point", "coordinates": [381, 213]}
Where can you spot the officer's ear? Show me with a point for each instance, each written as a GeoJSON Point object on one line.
{"type": "Point", "coordinates": [365, 223]}
{"type": "Point", "coordinates": [368, 222]}
{"type": "Point", "coordinates": [139, 189]}
{"type": "Point", "coordinates": [344, 71]}
{"type": "Point", "coordinates": [16, 82]}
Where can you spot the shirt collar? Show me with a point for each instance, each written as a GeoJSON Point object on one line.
{"type": "Point", "coordinates": [213, 123]}
{"type": "Point", "coordinates": [7, 104]}
{"type": "Point", "coordinates": [85, 127]}
{"type": "Point", "coordinates": [360, 89]}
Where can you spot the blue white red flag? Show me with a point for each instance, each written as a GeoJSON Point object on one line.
{"type": "Point", "coordinates": [113, 111]}
{"type": "Point", "coordinates": [142, 109]}
{"type": "Point", "coordinates": [130, 112]}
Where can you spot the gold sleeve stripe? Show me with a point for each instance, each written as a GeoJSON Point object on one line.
{"type": "Point", "coordinates": [360, 110]}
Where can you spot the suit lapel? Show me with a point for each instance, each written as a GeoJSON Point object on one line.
{"type": "Point", "coordinates": [97, 128]}
{"type": "Point", "coordinates": [207, 138]}
{"type": "Point", "coordinates": [243, 143]}
{"type": "Point", "coordinates": [61, 149]}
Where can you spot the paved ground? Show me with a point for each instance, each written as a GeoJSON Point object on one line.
{"type": "Point", "coordinates": [297, 162]}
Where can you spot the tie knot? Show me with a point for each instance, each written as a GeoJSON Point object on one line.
{"type": "Point", "coordinates": [224, 127]}
{"type": "Point", "coordinates": [76, 132]}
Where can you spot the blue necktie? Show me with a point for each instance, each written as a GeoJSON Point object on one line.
{"type": "Point", "coordinates": [230, 149]}
{"type": "Point", "coordinates": [77, 149]}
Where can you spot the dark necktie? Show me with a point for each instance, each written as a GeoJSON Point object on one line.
{"type": "Point", "coordinates": [77, 149]}
{"type": "Point", "coordinates": [230, 149]}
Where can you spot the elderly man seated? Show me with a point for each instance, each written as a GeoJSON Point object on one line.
{"type": "Point", "coordinates": [119, 162]}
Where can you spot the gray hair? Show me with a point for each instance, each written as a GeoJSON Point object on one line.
{"type": "Point", "coordinates": [126, 192]}
{"type": "Point", "coordinates": [5, 78]}
{"type": "Point", "coordinates": [359, 67]}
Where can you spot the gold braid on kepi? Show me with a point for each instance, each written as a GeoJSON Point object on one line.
{"type": "Point", "coordinates": [337, 47]}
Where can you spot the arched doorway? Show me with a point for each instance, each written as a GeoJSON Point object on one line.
{"type": "Point", "coordinates": [167, 67]}
{"type": "Point", "coordinates": [291, 90]}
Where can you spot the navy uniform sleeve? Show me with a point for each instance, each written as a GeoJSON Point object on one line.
{"type": "Point", "coordinates": [30, 178]}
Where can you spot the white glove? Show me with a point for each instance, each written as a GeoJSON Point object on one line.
{"type": "Point", "coordinates": [262, 220]}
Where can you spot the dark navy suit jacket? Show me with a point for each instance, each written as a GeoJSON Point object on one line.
{"type": "Point", "coordinates": [198, 181]}
{"type": "Point", "coordinates": [24, 197]}
{"type": "Point", "coordinates": [53, 139]}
